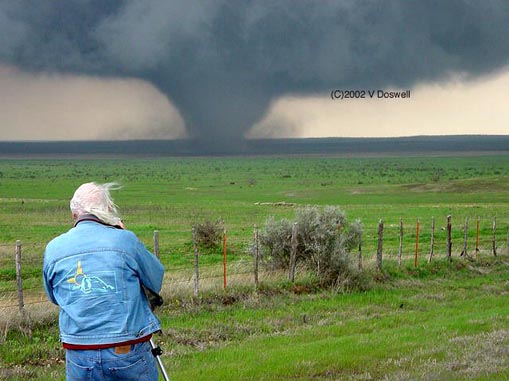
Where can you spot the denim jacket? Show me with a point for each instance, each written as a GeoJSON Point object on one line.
{"type": "Point", "coordinates": [93, 273]}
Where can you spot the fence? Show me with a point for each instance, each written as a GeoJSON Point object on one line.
{"type": "Point", "coordinates": [21, 286]}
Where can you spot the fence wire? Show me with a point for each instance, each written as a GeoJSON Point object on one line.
{"type": "Point", "coordinates": [241, 271]}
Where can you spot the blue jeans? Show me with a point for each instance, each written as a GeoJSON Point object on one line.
{"type": "Point", "coordinates": [104, 364]}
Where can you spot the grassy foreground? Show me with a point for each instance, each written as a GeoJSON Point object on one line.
{"type": "Point", "coordinates": [439, 322]}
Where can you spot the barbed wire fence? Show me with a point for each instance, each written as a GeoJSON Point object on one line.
{"type": "Point", "coordinates": [416, 242]}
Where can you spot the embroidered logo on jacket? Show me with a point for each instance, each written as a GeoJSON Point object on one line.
{"type": "Point", "coordinates": [91, 283]}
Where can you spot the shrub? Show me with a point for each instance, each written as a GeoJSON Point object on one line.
{"type": "Point", "coordinates": [275, 243]}
{"type": "Point", "coordinates": [325, 240]}
{"type": "Point", "coordinates": [208, 233]}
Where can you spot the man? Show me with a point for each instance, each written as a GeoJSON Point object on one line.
{"type": "Point", "coordinates": [94, 273]}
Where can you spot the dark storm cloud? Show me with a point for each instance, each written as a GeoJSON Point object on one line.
{"type": "Point", "coordinates": [223, 62]}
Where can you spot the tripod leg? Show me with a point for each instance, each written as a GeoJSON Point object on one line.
{"type": "Point", "coordinates": [156, 351]}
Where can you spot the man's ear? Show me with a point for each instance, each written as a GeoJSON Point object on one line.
{"type": "Point", "coordinates": [74, 216]}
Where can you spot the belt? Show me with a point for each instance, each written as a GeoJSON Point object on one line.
{"type": "Point", "coordinates": [80, 347]}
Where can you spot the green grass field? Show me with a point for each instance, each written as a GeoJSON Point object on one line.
{"type": "Point", "coordinates": [172, 194]}
{"type": "Point", "coordinates": [437, 322]}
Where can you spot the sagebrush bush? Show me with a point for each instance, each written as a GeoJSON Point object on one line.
{"type": "Point", "coordinates": [275, 243]}
{"type": "Point", "coordinates": [209, 233]}
{"type": "Point", "coordinates": [325, 240]}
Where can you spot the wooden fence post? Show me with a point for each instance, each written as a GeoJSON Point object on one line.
{"type": "Point", "coordinates": [293, 254]}
{"type": "Point", "coordinates": [19, 279]}
{"type": "Point", "coordinates": [224, 259]}
{"type": "Point", "coordinates": [156, 243]}
{"type": "Point", "coordinates": [416, 243]}
{"type": "Point", "coordinates": [449, 239]}
{"type": "Point", "coordinates": [19, 284]}
{"type": "Point", "coordinates": [400, 251]}
{"type": "Point", "coordinates": [494, 239]}
{"type": "Point", "coordinates": [432, 244]}
{"type": "Point", "coordinates": [196, 265]}
{"type": "Point", "coordinates": [380, 245]}
{"type": "Point", "coordinates": [256, 256]}
{"type": "Point", "coordinates": [465, 238]}
{"type": "Point", "coordinates": [477, 236]}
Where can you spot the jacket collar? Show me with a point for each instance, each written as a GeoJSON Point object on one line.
{"type": "Point", "coordinates": [91, 217]}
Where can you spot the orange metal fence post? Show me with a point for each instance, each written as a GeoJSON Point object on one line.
{"type": "Point", "coordinates": [224, 259]}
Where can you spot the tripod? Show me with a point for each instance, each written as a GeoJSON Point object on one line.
{"type": "Point", "coordinates": [157, 352]}
{"type": "Point", "coordinates": [155, 300]}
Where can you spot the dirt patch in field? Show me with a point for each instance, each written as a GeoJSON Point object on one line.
{"type": "Point", "coordinates": [459, 186]}
{"type": "Point", "coordinates": [469, 357]}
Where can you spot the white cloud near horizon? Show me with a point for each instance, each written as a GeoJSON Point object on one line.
{"type": "Point", "coordinates": [457, 107]}
{"type": "Point", "coordinates": [70, 107]}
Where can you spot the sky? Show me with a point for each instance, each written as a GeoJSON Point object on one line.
{"type": "Point", "coordinates": [220, 71]}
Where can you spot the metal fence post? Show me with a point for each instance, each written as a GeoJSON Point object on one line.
{"type": "Point", "coordinates": [256, 255]}
{"type": "Point", "coordinates": [196, 265]}
{"type": "Point", "coordinates": [293, 254]}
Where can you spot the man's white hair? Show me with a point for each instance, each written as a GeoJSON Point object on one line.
{"type": "Point", "coordinates": [93, 198]}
